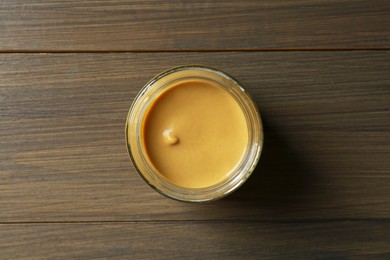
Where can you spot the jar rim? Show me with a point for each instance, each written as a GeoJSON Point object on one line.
{"type": "Point", "coordinates": [158, 182]}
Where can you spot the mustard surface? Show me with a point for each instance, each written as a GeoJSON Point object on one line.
{"type": "Point", "coordinates": [194, 134]}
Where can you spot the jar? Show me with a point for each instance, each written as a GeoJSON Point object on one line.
{"type": "Point", "coordinates": [135, 133]}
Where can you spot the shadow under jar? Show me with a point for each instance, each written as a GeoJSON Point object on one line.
{"type": "Point", "coordinates": [194, 134]}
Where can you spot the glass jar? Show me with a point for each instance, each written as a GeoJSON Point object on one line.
{"type": "Point", "coordinates": [134, 139]}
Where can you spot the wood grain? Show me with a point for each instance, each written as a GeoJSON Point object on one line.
{"type": "Point", "coordinates": [327, 138]}
{"type": "Point", "coordinates": [193, 25]}
{"type": "Point", "coordinates": [345, 240]}
{"type": "Point", "coordinates": [320, 191]}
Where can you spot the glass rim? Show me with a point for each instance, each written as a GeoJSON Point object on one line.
{"type": "Point", "coordinates": [230, 183]}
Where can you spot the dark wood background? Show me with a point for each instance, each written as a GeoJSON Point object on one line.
{"type": "Point", "coordinates": [318, 70]}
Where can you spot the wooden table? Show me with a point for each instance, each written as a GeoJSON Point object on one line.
{"type": "Point", "coordinates": [318, 70]}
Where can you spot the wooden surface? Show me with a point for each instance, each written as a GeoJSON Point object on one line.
{"type": "Point", "coordinates": [318, 70]}
{"type": "Point", "coordinates": [192, 25]}
{"type": "Point", "coordinates": [191, 240]}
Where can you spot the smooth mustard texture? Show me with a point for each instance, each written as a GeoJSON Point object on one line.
{"type": "Point", "coordinates": [195, 133]}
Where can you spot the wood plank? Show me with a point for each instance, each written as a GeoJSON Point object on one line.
{"type": "Point", "coordinates": [63, 155]}
{"type": "Point", "coordinates": [195, 25]}
{"type": "Point", "coordinates": [343, 240]}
